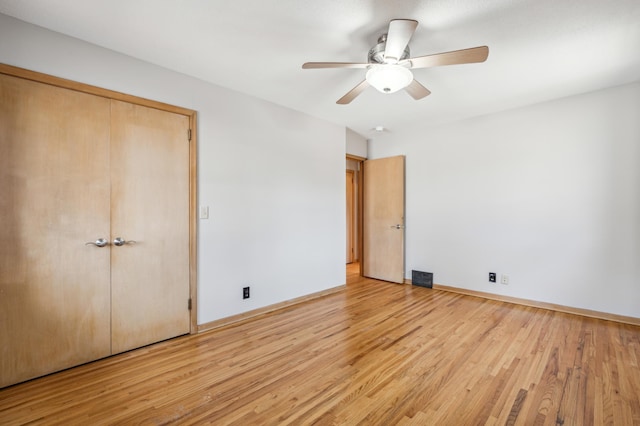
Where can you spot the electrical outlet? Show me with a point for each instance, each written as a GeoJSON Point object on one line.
{"type": "Point", "coordinates": [492, 277]}
{"type": "Point", "coordinates": [504, 279]}
{"type": "Point", "coordinates": [245, 292]}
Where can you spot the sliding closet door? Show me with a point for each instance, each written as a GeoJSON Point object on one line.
{"type": "Point", "coordinates": [54, 198]}
{"type": "Point", "coordinates": [150, 213]}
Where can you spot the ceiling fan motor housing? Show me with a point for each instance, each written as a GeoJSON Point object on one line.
{"type": "Point", "coordinates": [376, 53]}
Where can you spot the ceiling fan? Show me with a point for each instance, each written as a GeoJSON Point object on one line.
{"type": "Point", "coordinates": [389, 63]}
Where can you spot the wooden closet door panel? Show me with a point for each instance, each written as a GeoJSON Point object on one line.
{"type": "Point", "coordinates": [150, 205]}
{"type": "Point", "coordinates": [54, 197]}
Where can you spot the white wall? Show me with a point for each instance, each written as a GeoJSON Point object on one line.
{"type": "Point", "coordinates": [275, 224]}
{"type": "Point", "coordinates": [549, 194]}
{"type": "Point", "coordinates": [356, 144]}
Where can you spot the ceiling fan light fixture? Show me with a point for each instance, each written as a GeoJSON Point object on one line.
{"type": "Point", "coordinates": [388, 78]}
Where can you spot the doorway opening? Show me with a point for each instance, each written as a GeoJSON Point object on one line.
{"type": "Point", "coordinates": [353, 192]}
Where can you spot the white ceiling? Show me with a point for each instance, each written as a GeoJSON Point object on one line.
{"type": "Point", "coordinates": [539, 49]}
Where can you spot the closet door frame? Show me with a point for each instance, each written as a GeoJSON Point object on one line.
{"type": "Point", "coordinates": [192, 116]}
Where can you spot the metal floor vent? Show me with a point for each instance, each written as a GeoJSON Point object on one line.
{"type": "Point", "coordinates": [422, 279]}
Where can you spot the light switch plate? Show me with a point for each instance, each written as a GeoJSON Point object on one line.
{"type": "Point", "coordinates": [204, 212]}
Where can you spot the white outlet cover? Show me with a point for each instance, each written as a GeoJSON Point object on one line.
{"type": "Point", "coordinates": [504, 279]}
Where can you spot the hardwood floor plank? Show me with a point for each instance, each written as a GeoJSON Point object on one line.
{"type": "Point", "coordinates": [375, 353]}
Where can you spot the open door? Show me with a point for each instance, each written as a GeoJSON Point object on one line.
{"type": "Point", "coordinates": [383, 233]}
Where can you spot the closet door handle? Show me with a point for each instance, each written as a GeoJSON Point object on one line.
{"type": "Point", "coordinates": [100, 242]}
{"type": "Point", "coordinates": [118, 241]}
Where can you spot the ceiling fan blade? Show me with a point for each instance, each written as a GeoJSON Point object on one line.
{"type": "Point", "coordinates": [464, 56]}
{"type": "Point", "coordinates": [317, 65]}
{"type": "Point", "coordinates": [417, 90]}
{"type": "Point", "coordinates": [398, 36]}
{"type": "Point", "coordinates": [351, 94]}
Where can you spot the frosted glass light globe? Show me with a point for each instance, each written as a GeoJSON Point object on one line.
{"type": "Point", "coordinates": [389, 78]}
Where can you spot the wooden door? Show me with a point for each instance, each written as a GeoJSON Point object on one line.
{"type": "Point", "coordinates": [54, 197]}
{"type": "Point", "coordinates": [150, 205]}
{"type": "Point", "coordinates": [350, 215]}
{"type": "Point", "coordinates": [383, 227]}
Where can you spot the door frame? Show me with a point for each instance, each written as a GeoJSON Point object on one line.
{"type": "Point", "coordinates": [191, 114]}
{"type": "Point", "coordinates": [351, 219]}
{"type": "Point", "coordinates": [359, 175]}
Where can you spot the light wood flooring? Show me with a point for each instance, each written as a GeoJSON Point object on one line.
{"type": "Point", "coordinates": [375, 354]}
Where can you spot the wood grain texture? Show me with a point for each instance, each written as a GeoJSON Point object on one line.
{"type": "Point", "coordinates": [149, 205]}
{"type": "Point", "coordinates": [375, 353]}
{"type": "Point", "coordinates": [252, 314]}
{"type": "Point", "coordinates": [135, 100]}
{"type": "Point", "coordinates": [193, 221]}
{"type": "Point", "coordinates": [537, 304]}
{"type": "Point", "coordinates": [350, 215]}
{"type": "Point", "coordinates": [383, 244]}
{"type": "Point", "coordinates": [54, 300]}
{"type": "Point", "coordinates": [54, 197]}
{"type": "Point", "coordinates": [86, 88]}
